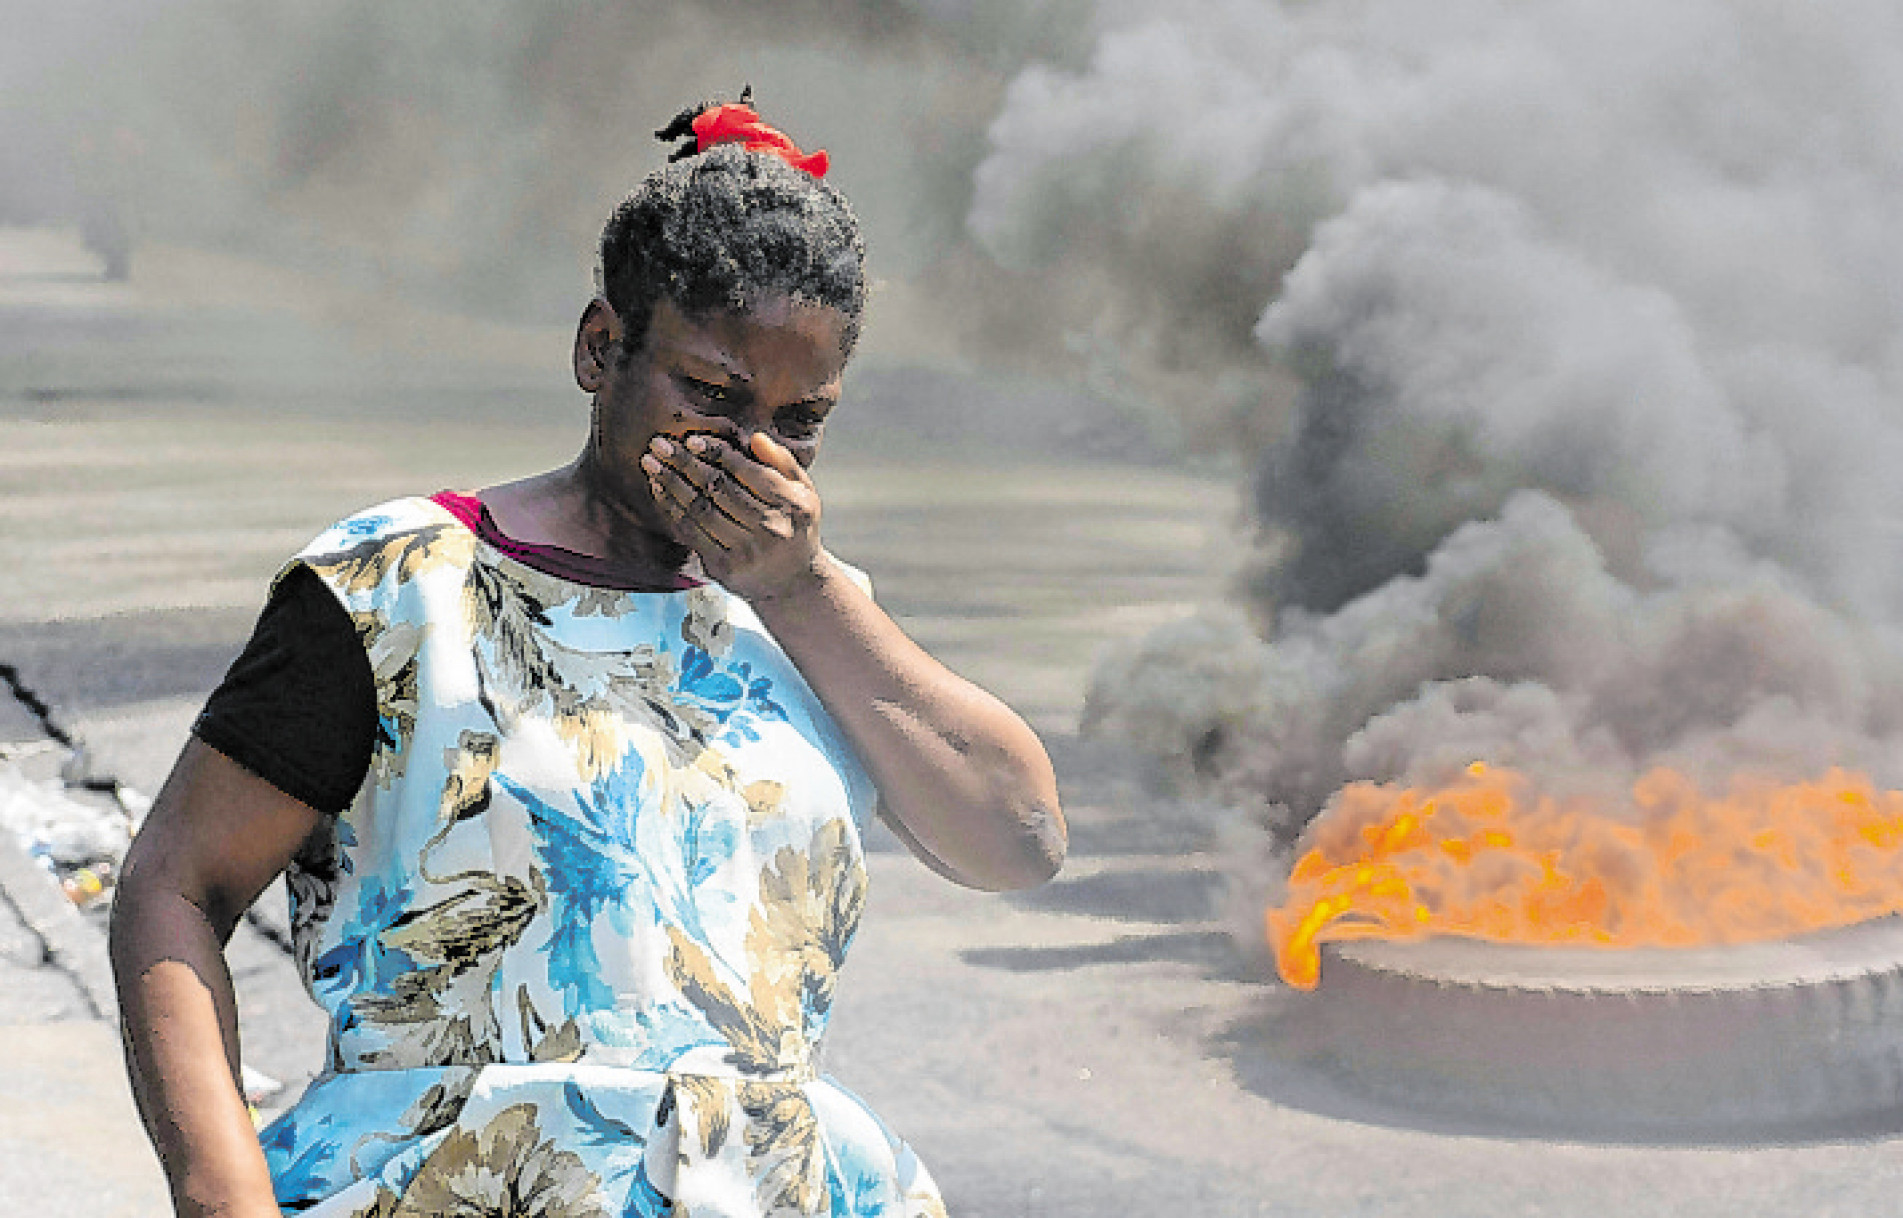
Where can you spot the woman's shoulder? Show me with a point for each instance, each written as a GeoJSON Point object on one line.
{"type": "Point", "coordinates": [399, 540]}
{"type": "Point", "coordinates": [382, 521]}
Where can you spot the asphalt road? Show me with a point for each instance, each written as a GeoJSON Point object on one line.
{"type": "Point", "coordinates": [1096, 1047]}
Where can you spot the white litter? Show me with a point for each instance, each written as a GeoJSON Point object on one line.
{"type": "Point", "coordinates": [51, 823]}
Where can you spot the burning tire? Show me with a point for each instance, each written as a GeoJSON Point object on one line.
{"type": "Point", "coordinates": [1795, 1036]}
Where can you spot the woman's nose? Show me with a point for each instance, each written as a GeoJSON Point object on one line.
{"type": "Point", "coordinates": [740, 435]}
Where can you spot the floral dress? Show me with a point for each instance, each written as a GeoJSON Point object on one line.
{"type": "Point", "coordinates": [579, 931]}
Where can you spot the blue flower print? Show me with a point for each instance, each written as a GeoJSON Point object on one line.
{"type": "Point", "coordinates": [711, 685]}
{"type": "Point", "coordinates": [301, 1182]}
{"type": "Point", "coordinates": [706, 842]}
{"type": "Point", "coordinates": [590, 862]}
{"type": "Point", "coordinates": [346, 845]}
{"type": "Point", "coordinates": [619, 847]}
{"type": "Point", "coordinates": [361, 528]}
{"type": "Point", "coordinates": [360, 960]}
{"type": "Point", "coordinates": [856, 1188]}
{"type": "Point", "coordinates": [620, 1148]}
{"type": "Point", "coordinates": [595, 1127]}
{"type": "Point", "coordinates": [731, 693]}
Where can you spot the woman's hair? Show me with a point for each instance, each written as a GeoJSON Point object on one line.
{"type": "Point", "coordinates": [721, 229]}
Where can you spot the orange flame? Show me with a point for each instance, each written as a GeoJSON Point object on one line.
{"type": "Point", "coordinates": [1489, 857]}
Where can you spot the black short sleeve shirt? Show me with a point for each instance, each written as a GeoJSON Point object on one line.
{"type": "Point", "coordinates": [298, 707]}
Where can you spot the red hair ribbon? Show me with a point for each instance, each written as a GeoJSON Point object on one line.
{"type": "Point", "coordinates": [734, 123]}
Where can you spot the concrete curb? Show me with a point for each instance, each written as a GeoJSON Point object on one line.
{"type": "Point", "coordinates": [72, 945]}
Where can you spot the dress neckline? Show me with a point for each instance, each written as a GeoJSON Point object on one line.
{"type": "Point", "coordinates": [559, 561]}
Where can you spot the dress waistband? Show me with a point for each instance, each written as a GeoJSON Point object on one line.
{"type": "Point", "coordinates": [699, 1061]}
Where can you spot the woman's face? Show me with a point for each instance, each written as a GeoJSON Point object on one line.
{"type": "Point", "coordinates": [773, 368]}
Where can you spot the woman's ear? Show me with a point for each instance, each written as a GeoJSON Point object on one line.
{"type": "Point", "coordinates": [595, 341]}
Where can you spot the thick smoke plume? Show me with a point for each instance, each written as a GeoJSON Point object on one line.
{"type": "Point", "coordinates": [1595, 309]}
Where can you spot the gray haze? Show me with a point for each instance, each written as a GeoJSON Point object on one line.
{"type": "Point", "coordinates": [1564, 337]}
{"type": "Point", "coordinates": [1595, 310]}
{"type": "Point", "coordinates": [468, 153]}
{"type": "Point", "coordinates": [460, 158]}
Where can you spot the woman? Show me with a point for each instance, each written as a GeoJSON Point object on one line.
{"type": "Point", "coordinates": [568, 779]}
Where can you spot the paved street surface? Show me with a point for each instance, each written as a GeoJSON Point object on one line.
{"type": "Point", "coordinates": [1097, 1047]}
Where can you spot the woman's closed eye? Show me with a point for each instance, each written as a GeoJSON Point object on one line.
{"type": "Point", "coordinates": [711, 392]}
{"type": "Point", "coordinates": [800, 423]}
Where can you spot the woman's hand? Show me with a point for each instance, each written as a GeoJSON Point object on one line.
{"type": "Point", "coordinates": [752, 515]}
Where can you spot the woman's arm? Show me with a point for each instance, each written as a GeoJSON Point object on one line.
{"type": "Point", "coordinates": [215, 837]}
{"type": "Point", "coordinates": [962, 779]}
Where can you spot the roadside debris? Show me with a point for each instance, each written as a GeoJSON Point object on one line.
{"type": "Point", "coordinates": [79, 836]}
